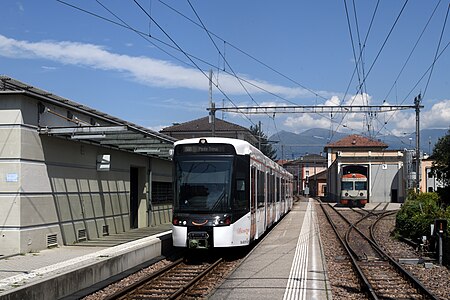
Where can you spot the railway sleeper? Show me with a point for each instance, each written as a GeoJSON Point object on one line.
{"type": "Point", "coordinates": [162, 287]}
{"type": "Point", "coordinates": [403, 295]}
{"type": "Point", "coordinates": [150, 296]}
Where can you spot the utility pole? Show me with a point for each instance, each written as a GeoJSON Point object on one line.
{"type": "Point", "coordinates": [259, 135]}
{"type": "Point", "coordinates": [417, 107]}
{"type": "Point", "coordinates": [212, 107]}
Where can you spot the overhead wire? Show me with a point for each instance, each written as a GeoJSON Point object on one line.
{"type": "Point", "coordinates": [362, 49]}
{"type": "Point", "coordinates": [437, 50]}
{"type": "Point", "coordinates": [430, 67]}
{"type": "Point", "coordinates": [192, 61]}
{"type": "Point", "coordinates": [189, 55]}
{"type": "Point", "coordinates": [385, 41]}
{"type": "Point", "coordinates": [227, 63]}
{"type": "Point", "coordinates": [412, 51]}
{"type": "Point", "coordinates": [364, 92]}
{"type": "Point", "coordinates": [377, 56]}
{"type": "Point", "coordinates": [420, 79]}
{"type": "Point", "coordinates": [246, 53]}
{"type": "Point", "coordinates": [359, 61]}
{"type": "Point", "coordinates": [147, 37]}
{"type": "Point", "coordinates": [352, 41]}
{"type": "Point", "coordinates": [220, 53]}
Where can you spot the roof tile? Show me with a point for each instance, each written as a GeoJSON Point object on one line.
{"type": "Point", "coordinates": [356, 141]}
{"type": "Point", "coordinates": [203, 124]}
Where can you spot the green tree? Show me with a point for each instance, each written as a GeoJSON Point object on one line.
{"type": "Point", "coordinates": [265, 146]}
{"type": "Point", "coordinates": [441, 166]}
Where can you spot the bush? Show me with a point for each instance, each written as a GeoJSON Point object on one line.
{"type": "Point", "coordinates": [418, 213]}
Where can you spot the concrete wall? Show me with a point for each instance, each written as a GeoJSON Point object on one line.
{"type": "Point", "coordinates": [50, 185]}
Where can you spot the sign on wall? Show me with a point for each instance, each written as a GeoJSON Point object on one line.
{"type": "Point", "coordinates": [103, 162]}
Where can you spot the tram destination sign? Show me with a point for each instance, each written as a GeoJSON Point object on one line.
{"type": "Point", "coordinates": [204, 149]}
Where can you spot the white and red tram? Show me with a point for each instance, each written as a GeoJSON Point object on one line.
{"type": "Point", "coordinates": [226, 193]}
{"type": "Point", "coordinates": [354, 189]}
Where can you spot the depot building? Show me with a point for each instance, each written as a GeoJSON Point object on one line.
{"type": "Point", "coordinates": [70, 173]}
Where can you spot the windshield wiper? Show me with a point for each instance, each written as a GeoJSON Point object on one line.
{"type": "Point", "coordinates": [219, 201]}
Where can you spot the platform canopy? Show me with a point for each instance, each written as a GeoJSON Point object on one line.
{"type": "Point", "coordinates": [67, 119]}
{"type": "Point", "coordinates": [121, 137]}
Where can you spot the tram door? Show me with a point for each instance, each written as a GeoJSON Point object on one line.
{"type": "Point", "coordinates": [252, 203]}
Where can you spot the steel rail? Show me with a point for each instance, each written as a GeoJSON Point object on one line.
{"type": "Point", "coordinates": [404, 272]}
{"type": "Point", "coordinates": [120, 293]}
{"type": "Point", "coordinates": [365, 284]}
{"type": "Point", "coordinates": [194, 280]}
{"type": "Point", "coordinates": [408, 276]}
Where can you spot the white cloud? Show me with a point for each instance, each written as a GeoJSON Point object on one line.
{"type": "Point", "coordinates": [144, 70]}
{"type": "Point", "coordinates": [438, 116]}
{"type": "Point", "coordinates": [306, 121]}
{"type": "Point", "coordinates": [48, 68]}
{"type": "Point", "coordinates": [157, 128]}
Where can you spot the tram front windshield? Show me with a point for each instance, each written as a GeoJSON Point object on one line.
{"type": "Point", "coordinates": [347, 185]}
{"type": "Point", "coordinates": [203, 185]}
{"type": "Point", "coordinates": [360, 185]}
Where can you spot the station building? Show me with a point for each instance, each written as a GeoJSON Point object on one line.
{"type": "Point", "coordinates": [429, 182]}
{"type": "Point", "coordinates": [358, 154]}
{"type": "Point", "coordinates": [70, 173]}
{"type": "Point", "coordinates": [308, 174]}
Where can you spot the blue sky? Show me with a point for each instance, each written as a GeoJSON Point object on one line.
{"type": "Point", "coordinates": [113, 69]}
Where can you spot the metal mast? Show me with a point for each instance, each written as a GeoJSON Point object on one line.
{"type": "Point", "coordinates": [417, 107]}
{"type": "Point", "coordinates": [212, 107]}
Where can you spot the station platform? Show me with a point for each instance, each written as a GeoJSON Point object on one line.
{"type": "Point", "coordinates": [287, 264]}
{"type": "Point", "coordinates": [60, 272]}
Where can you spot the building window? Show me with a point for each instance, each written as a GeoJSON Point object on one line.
{"type": "Point", "coordinates": [162, 192]}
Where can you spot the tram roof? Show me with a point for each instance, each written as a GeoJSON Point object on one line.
{"type": "Point", "coordinates": [241, 147]}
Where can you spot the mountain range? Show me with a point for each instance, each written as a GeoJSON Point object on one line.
{"type": "Point", "coordinates": [291, 145]}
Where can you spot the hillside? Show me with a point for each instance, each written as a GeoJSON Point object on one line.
{"type": "Point", "coordinates": [292, 145]}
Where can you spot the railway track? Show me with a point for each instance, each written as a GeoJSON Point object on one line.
{"type": "Point", "coordinates": [380, 275]}
{"type": "Point", "coordinates": [185, 278]}
{"type": "Point", "coordinates": [171, 282]}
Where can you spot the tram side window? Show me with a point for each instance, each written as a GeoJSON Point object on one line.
{"type": "Point", "coordinates": [278, 189]}
{"type": "Point", "coordinates": [283, 190]}
{"type": "Point", "coordinates": [272, 188]}
{"type": "Point", "coordinates": [260, 189]}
